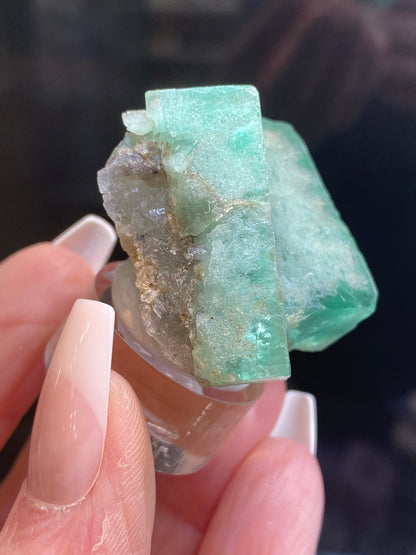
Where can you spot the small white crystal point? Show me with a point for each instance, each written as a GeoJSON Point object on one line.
{"type": "Point", "coordinates": [137, 122]}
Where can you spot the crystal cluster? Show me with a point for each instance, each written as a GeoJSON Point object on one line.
{"type": "Point", "coordinates": [237, 249]}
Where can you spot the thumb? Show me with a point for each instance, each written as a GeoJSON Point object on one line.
{"type": "Point", "coordinates": [90, 487]}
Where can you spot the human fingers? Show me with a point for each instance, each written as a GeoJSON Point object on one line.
{"type": "Point", "coordinates": [89, 487]}
{"type": "Point", "coordinates": [11, 484]}
{"type": "Point", "coordinates": [273, 504]}
{"type": "Point", "coordinates": [92, 237]}
{"type": "Point", "coordinates": [38, 286]}
{"type": "Point", "coordinates": [185, 504]}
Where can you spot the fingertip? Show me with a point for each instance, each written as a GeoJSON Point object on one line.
{"type": "Point", "coordinates": [293, 470]}
{"type": "Point", "coordinates": [296, 464]}
{"type": "Point", "coordinates": [128, 447]}
{"type": "Point", "coordinates": [127, 431]}
{"type": "Point", "coordinates": [117, 514]}
{"type": "Point", "coordinates": [38, 287]}
{"type": "Point", "coordinates": [273, 504]}
{"type": "Point", "coordinates": [92, 237]}
{"type": "Point", "coordinates": [71, 416]}
{"type": "Point", "coordinates": [45, 265]}
{"type": "Point", "coordinates": [293, 476]}
{"type": "Point", "coordinates": [62, 260]}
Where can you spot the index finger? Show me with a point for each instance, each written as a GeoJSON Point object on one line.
{"type": "Point", "coordinates": [38, 287]}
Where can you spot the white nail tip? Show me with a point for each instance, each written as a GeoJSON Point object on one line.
{"type": "Point", "coordinates": [298, 419]}
{"type": "Point", "coordinates": [91, 237]}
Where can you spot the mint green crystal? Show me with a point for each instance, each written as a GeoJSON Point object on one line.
{"type": "Point", "coordinates": [196, 220]}
{"type": "Point", "coordinates": [213, 151]}
{"type": "Point", "coordinates": [238, 251]}
{"type": "Point", "coordinates": [325, 282]}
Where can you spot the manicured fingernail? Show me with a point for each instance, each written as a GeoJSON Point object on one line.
{"type": "Point", "coordinates": [51, 346]}
{"type": "Point", "coordinates": [71, 417]}
{"type": "Point", "coordinates": [298, 419]}
{"type": "Point", "coordinates": [91, 237]}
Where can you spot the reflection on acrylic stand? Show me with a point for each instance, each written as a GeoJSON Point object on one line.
{"type": "Point", "coordinates": [187, 421]}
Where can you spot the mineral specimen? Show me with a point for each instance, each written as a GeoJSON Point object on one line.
{"type": "Point", "coordinates": [326, 286]}
{"type": "Point", "coordinates": [191, 206]}
{"type": "Point", "coordinates": [217, 232]}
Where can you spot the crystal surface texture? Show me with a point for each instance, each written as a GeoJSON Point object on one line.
{"type": "Point", "coordinates": [190, 201]}
{"type": "Point", "coordinates": [326, 285]}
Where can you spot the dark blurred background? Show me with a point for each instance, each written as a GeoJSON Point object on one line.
{"type": "Point", "coordinates": [344, 73]}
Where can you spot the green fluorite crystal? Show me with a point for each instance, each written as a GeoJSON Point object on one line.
{"type": "Point", "coordinates": [218, 232]}
{"type": "Point", "coordinates": [325, 282]}
{"type": "Point", "coordinates": [213, 152]}
{"type": "Point", "coordinates": [190, 201]}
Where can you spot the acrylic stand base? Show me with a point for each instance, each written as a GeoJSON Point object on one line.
{"type": "Point", "coordinates": [187, 422]}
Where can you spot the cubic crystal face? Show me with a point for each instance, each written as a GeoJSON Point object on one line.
{"type": "Point", "coordinates": [235, 252]}
{"type": "Point", "coordinates": [326, 285]}
{"type": "Point", "coordinates": [191, 206]}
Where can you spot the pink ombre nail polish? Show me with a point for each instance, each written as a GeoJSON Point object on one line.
{"type": "Point", "coordinates": [91, 237]}
{"type": "Point", "coordinates": [94, 239]}
{"type": "Point", "coordinates": [71, 417]}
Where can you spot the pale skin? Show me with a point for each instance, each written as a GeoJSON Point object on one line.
{"type": "Point", "coordinates": [259, 495]}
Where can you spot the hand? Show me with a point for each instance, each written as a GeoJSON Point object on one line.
{"type": "Point", "coordinates": [258, 495]}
